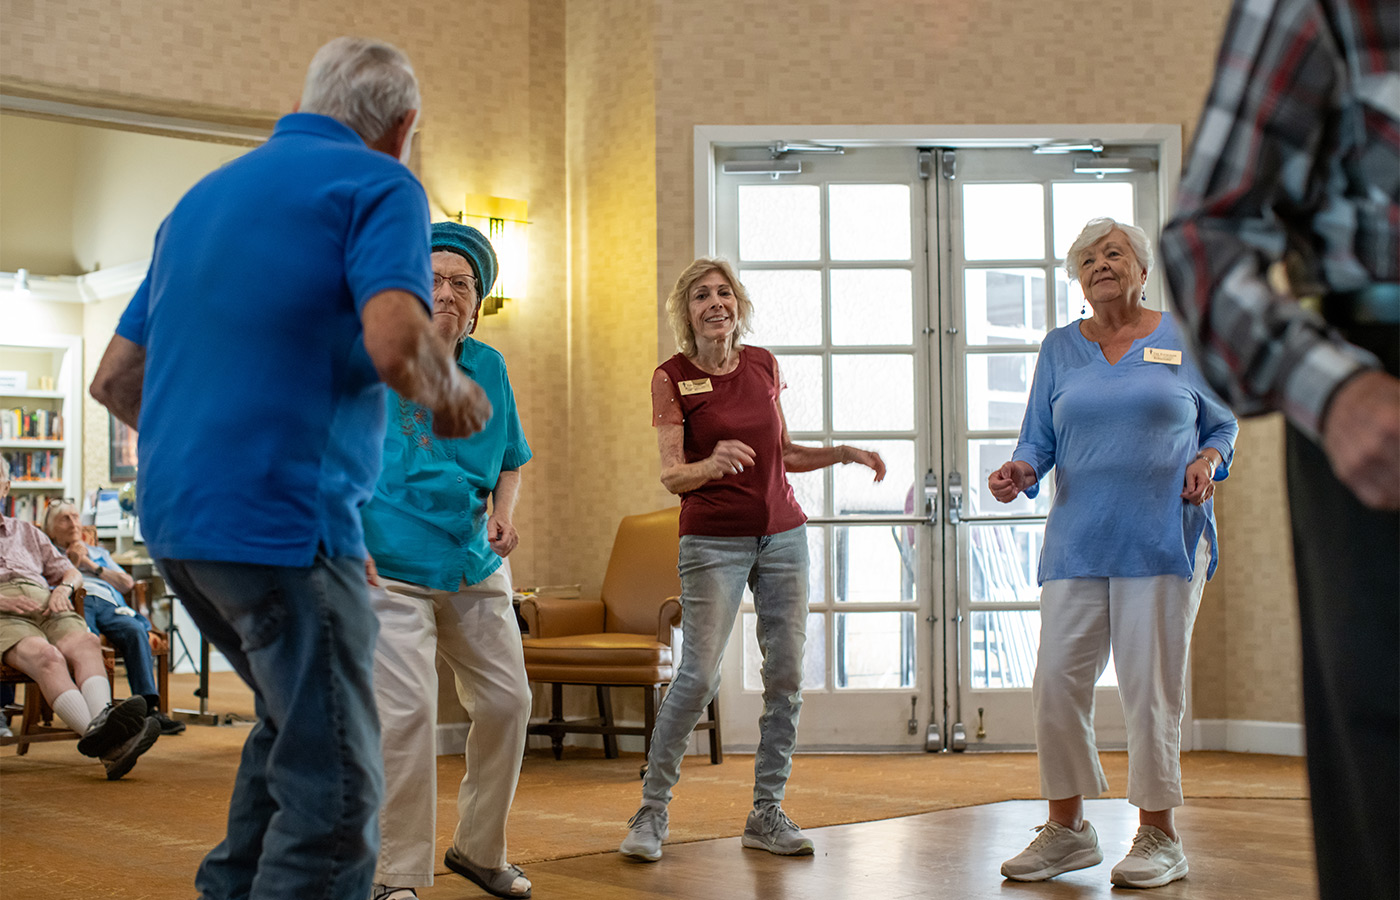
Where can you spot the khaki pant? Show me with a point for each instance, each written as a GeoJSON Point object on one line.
{"type": "Point", "coordinates": [15, 627]}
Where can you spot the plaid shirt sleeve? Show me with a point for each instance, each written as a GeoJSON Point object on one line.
{"type": "Point", "coordinates": [1288, 155]}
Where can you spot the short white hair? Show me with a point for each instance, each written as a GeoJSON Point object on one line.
{"type": "Point", "coordinates": [56, 508]}
{"type": "Point", "coordinates": [364, 84]}
{"type": "Point", "coordinates": [1095, 231]}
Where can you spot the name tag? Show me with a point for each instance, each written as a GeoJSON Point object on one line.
{"type": "Point", "coordinates": [1170, 357]}
{"type": "Point", "coordinates": [703, 386]}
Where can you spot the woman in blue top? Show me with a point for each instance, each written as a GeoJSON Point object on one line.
{"type": "Point", "coordinates": [442, 588]}
{"type": "Point", "coordinates": [1137, 441]}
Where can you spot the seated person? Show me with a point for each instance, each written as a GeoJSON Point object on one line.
{"type": "Point", "coordinates": [106, 612]}
{"type": "Point", "coordinates": [42, 636]}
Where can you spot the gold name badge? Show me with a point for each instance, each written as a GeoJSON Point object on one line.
{"type": "Point", "coordinates": [701, 386]}
{"type": "Point", "coordinates": [1170, 357]}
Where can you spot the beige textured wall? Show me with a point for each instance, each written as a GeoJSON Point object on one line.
{"type": "Point", "coordinates": [36, 217]}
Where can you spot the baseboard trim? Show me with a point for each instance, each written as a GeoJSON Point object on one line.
{"type": "Point", "coordinates": [1247, 736]}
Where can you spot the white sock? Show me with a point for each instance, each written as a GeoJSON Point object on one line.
{"type": "Point", "coordinates": [73, 710]}
{"type": "Point", "coordinates": [98, 693]}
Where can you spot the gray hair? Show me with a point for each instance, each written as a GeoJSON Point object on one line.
{"type": "Point", "coordinates": [364, 84]}
{"type": "Point", "coordinates": [1097, 230]}
{"type": "Point", "coordinates": [56, 508]}
{"type": "Point", "coordinates": [678, 303]}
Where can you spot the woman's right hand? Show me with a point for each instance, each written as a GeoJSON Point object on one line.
{"type": "Point", "coordinates": [730, 458]}
{"type": "Point", "coordinates": [1011, 479]}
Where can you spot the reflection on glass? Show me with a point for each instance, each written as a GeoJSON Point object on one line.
{"type": "Point", "coordinates": [875, 563]}
{"type": "Point", "coordinates": [1005, 646]}
{"type": "Point", "coordinates": [985, 457]}
{"type": "Point", "coordinates": [857, 492]}
{"type": "Point", "coordinates": [875, 650]}
{"type": "Point", "coordinates": [787, 306]}
{"type": "Point", "coordinates": [813, 659]}
{"type": "Point", "coordinates": [1004, 562]}
{"type": "Point", "coordinates": [869, 221]}
{"type": "Point", "coordinates": [1004, 306]}
{"type": "Point", "coordinates": [997, 387]}
{"type": "Point", "coordinates": [872, 392]}
{"type": "Point", "coordinates": [802, 399]}
{"type": "Point", "coordinates": [1074, 203]}
{"type": "Point", "coordinates": [816, 565]}
{"type": "Point", "coordinates": [872, 306]}
{"type": "Point", "coordinates": [809, 489]}
{"type": "Point", "coordinates": [779, 222]}
{"type": "Point", "coordinates": [1003, 221]}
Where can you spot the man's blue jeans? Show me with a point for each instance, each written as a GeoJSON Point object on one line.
{"type": "Point", "coordinates": [303, 820]}
{"type": "Point", "coordinates": [713, 572]}
{"type": "Point", "coordinates": [130, 636]}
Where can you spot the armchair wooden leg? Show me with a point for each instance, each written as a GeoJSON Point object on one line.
{"type": "Point", "coordinates": [716, 746]}
{"type": "Point", "coordinates": [556, 738]}
{"type": "Point", "coordinates": [605, 712]}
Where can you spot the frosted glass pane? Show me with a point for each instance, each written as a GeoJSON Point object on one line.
{"type": "Point", "coordinates": [1073, 204]}
{"type": "Point", "coordinates": [997, 387]}
{"type": "Point", "coordinates": [809, 489]}
{"type": "Point", "coordinates": [856, 381]}
{"type": "Point", "coordinates": [872, 306]}
{"type": "Point", "coordinates": [779, 222]}
{"type": "Point", "coordinates": [1005, 644]}
{"type": "Point", "coordinates": [1004, 560]}
{"type": "Point", "coordinates": [857, 493]}
{"type": "Point", "coordinates": [813, 658]}
{"type": "Point", "coordinates": [787, 306]}
{"type": "Point", "coordinates": [869, 221]}
{"type": "Point", "coordinates": [1004, 306]}
{"type": "Point", "coordinates": [875, 650]}
{"type": "Point", "coordinates": [875, 563]}
{"type": "Point", "coordinates": [802, 400]}
{"type": "Point", "coordinates": [984, 458]}
{"type": "Point", "coordinates": [1003, 221]}
{"type": "Point", "coordinates": [816, 565]}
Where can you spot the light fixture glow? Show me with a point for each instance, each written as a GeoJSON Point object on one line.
{"type": "Point", "coordinates": [504, 223]}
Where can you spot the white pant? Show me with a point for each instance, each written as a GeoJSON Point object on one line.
{"type": "Point", "coordinates": [1147, 623]}
{"type": "Point", "coordinates": [475, 632]}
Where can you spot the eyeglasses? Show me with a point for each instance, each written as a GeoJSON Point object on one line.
{"type": "Point", "coordinates": [462, 285]}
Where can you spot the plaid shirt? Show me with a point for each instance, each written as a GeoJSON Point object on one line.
{"type": "Point", "coordinates": [1298, 152]}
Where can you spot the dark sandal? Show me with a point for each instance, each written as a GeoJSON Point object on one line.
{"type": "Point", "coordinates": [500, 882]}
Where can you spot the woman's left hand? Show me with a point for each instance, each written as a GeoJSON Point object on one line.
{"type": "Point", "coordinates": [868, 458]}
{"type": "Point", "coordinates": [1200, 482]}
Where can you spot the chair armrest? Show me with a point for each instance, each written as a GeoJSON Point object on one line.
{"type": "Point", "coordinates": [138, 596]}
{"type": "Point", "coordinates": [559, 616]}
{"type": "Point", "coordinates": [669, 618]}
{"type": "Point", "coordinates": [78, 594]}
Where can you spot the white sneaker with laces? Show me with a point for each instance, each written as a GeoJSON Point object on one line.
{"type": "Point", "coordinates": [1153, 861]}
{"type": "Point", "coordinates": [647, 829]}
{"type": "Point", "coordinates": [769, 828]}
{"type": "Point", "coordinates": [1054, 851]}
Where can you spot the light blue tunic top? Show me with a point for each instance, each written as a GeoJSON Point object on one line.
{"type": "Point", "coordinates": [1119, 438]}
{"type": "Point", "coordinates": [426, 522]}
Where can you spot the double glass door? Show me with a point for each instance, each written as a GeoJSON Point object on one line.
{"type": "Point", "coordinates": [905, 292]}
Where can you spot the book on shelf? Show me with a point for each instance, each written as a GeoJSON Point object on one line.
{"type": "Point", "coordinates": [28, 507]}
{"type": "Point", "coordinates": [33, 465]}
{"type": "Point", "coordinates": [18, 423]}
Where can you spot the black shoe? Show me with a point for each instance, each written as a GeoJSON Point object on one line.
{"type": "Point", "coordinates": [114, 726]}
{"type": "Point", "coordinates": [167, 724]}
{"type": "Point", "coordinates": [120, 760]}
{"type": "Point", "coordinates": [509, 882]}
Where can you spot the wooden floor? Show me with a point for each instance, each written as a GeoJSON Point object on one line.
{"type": "Point", "coordinates": [1237, 849]}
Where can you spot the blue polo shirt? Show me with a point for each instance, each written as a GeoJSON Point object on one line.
{"type": "Point", "coordinates": [1119, 438]}
{"type": "Point", "coordinates": [262, 415]}
{"type": "Point", "coordinates": [97, 588]}
{"type": "Point", "coordinates": [426, 523]}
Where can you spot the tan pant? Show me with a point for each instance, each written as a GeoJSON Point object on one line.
{"type": "Point", "coordinates": [15, 627]}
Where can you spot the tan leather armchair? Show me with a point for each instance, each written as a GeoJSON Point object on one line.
{"type": "Point", "coordinates": [620, 638]}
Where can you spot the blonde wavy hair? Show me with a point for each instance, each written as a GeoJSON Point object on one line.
{"type": "Point", "coordinates": [678, 303]}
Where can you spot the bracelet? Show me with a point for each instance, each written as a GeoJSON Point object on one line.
{"type": "Point", "coordinates": [1202, 455]}
{"type": "Point", "coordinates": [71, 587]}
{"type": "Point", "coordinates": [843, 454]}
{"type": "Point", "coordinates": [98, 573]}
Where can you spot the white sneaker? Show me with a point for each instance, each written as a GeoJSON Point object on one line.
{"type": "Point", "coordinates": [1054, 851]}
{"type": "Point", "coordinates": [647, 829]}
{"type": "Point", "coordinates": [1154, 860]}
{"type": "Point", "coordinates": [769, 828]}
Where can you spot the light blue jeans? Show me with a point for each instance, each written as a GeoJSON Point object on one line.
{"type": "Point", "coordinates": [303, 819]}
{"type": "Point", "coordinates": [714, 571]}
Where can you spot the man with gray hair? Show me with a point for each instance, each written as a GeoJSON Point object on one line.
{"type": "Point", "coordinates": [285, 290]}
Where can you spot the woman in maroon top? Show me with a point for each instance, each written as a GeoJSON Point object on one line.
{"type": "Point", "coordinates": [725, 450]}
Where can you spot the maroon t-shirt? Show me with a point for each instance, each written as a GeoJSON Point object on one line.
{"type": "Point", "coordinates": [742, 406]}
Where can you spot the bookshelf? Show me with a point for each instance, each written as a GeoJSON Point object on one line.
{"type": "Point", "coordinates": [43, 376]}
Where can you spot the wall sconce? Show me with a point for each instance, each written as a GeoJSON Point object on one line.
{"type": "Point", "coordinates": [504, 223]}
